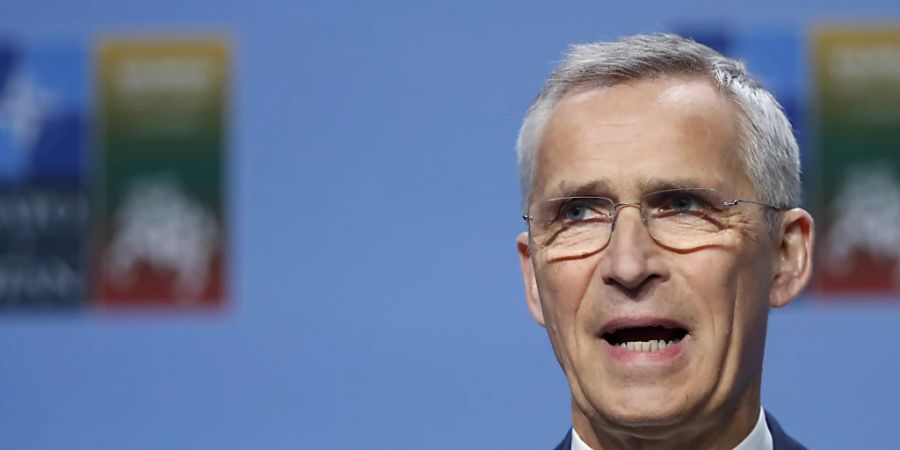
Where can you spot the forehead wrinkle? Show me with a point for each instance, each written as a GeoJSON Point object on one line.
{"type": "Point", "coordinates": [643, 184]}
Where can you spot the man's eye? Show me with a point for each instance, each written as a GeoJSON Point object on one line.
{"type": "Point", "coordinates": [681, 203]}
{"type": "Point", "coordinates": [576, 212]}
{"type": "Point", "coordinates": [685, 203]}
{"type": "Point", "coordinates": [579, 211]}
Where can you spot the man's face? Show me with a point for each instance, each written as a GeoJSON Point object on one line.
{"type": "Point", "coordinates": [621, 142]}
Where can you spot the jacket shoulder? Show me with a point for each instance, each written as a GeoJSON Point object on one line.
{"type": "Point", "coordinates": [566, 443]}
{"type": "Point", "coordinates": [780, 439]}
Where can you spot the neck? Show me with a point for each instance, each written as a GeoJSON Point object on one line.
{"type": "Point", "coordinates": [721, 429]}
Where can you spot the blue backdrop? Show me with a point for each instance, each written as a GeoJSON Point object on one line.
{"type": "Point", "coordinates": [375, 292]}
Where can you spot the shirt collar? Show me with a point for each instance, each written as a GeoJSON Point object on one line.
{"type": "Point", "coordinates": [760, 438]}
{"type": "Point", "coordinates": [577, 443]}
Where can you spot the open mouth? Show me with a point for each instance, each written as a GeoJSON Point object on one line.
{"type": "Point", "coordinates": [645, 338]}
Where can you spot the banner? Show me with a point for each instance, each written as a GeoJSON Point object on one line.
{"type": "Point", "coordinates": [857, 107]}
{"type": "Point", "coordinates": [161, 136]}
{"type": "Point", "coordinates": [43, 203]}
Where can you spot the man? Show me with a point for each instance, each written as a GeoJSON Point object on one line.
{"type": "Point", "coordinates": [661, 185]}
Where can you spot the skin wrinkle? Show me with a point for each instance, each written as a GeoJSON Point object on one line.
{"type": "Point", "coordinates": [720, 292]}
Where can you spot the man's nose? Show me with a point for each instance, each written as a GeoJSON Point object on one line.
{"type": "Point", "coordinates": [629, 260]}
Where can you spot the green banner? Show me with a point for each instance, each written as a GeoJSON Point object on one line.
{"type": "Point", "coordinates": [857, 107]}
{"type": "Point", "coordinates": [162, 135]}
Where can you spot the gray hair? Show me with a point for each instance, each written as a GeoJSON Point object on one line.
{"type": "Point", "coordinates": [769, 150]}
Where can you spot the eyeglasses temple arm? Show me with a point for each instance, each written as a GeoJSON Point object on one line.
{"type": "Point", "coordinates": [735, 202]}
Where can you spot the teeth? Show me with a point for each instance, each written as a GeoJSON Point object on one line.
{"type": "Point", "coordinates": [648, 346]}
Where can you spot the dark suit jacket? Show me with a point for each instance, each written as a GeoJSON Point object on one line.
{"type": "Point", "coordinates": [780, 439]}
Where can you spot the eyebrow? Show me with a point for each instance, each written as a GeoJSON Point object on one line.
{"type": "Point", "coordinates": [593, 188]}
{"type": "Point", "coordinates": [602, 188]}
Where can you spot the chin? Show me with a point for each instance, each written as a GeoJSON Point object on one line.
{"type": "Point", "coordinates": [646, 408]}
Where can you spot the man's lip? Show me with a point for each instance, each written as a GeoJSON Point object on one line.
{"type": "Point", "coordinates": [666, 357]}
{"type": "Point", "coordinates": [634, 322]}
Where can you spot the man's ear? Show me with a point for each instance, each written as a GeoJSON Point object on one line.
{"type": "Point", "coordinates": [793, 267]}
{"type": "Point", "coordinates": [531, 290]}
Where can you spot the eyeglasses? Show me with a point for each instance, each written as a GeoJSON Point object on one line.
{"type": "Point", "coordinates": [682, 219]}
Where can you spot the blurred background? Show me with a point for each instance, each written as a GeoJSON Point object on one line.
{"type": "Point", "coordinates": [237, 225]}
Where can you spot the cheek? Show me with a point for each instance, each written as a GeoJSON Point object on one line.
{"type": "Point", "coordinates": [562, 288]}
{"type": "Point", "coordinates": [731, 289]}
{"type": "Point", "coordinates": [754, 286]}
{"type": "Point", "coordinates": [712, 276]}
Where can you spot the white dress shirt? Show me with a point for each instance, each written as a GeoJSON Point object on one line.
{"type": "Point", "coordinates": [760, 438]}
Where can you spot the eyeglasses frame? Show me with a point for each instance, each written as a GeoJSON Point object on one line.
{"type": "Point", "coordinates": [617, 206]}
